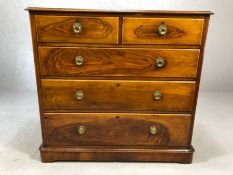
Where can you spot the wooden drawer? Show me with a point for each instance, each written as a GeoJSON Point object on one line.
{"type": "Point", "coordinates": [117, 129]}
{"type": "Point", "coordinates": [181, 31]}
{"type": "Point", "coordinates": [118, 95]}
{"type": "Point", "coordinates": [117, 62]}
{"type": "Point", "coordinates": [61, 29]}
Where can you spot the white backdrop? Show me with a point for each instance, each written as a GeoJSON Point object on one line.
{"type": "Point", "coordinates": [16, 58]}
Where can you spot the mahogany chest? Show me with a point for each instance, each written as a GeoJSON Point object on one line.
{"type": "Point", "coordinates": [117, 86]}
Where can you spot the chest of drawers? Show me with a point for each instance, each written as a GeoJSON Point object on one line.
{"type": "Point", "coordinates": [117, 86]}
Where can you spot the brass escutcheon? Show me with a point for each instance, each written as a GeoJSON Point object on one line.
{"type": "Point", "coordinates": [79, 60]}
{"type": "Point", "coordinates": [157, 95]}
{"type": "Point", "coordinates": [81, 130]}
{"type": "Point", "coordinates": [162, 29]}
{"type": "Point", "coordinates": [77, 28]}
{"type": "Point", "coordinates": [153, 130]}
{"type": "Point", "coordinates": [160, 62]}
{"type": "Point", "coordinates": [79, 95]}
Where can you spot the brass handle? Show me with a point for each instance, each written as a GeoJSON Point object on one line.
{"type": "Point", "coordinates": [79, 95]}
{"type": "Point", "coordinates": [81, 130]}
{"type": "Point", "coordinates": [160, 62]}
{"type": "Point", "coordinates": [162, 29]}
{"type": "Point", "coordinates": [153, 130]}
{"type": "Point", "coordinates": [77, 28]}
{"type": "Point", "coordinates": [157, 95]}
{"type": "Point", "coordinates": [79, 60]}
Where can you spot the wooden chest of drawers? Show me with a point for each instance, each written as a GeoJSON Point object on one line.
{"type": "Point", "coordinates": [117, 86]}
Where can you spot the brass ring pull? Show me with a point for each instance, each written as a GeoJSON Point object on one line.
{"type": "Point", "coordinates": [81, 130]}
{"type": "Point", "coordinates": [79, 95]}
{"type": "Point", "coordinates": [162, 29]}
{"type": "Point", "coordinates": [157, 95]}
{"type": "Point", "coordinates": [160, 62]}
{"type": "Point", "coordinates": [153, 130]}
{"type": "Point", "coordinates": [79, 60]}
{"type": "Point", "coordinates": [77, 28]}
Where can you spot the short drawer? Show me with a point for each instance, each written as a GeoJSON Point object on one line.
{"type": "Point", "coordinates": [118, 95]}
{"type": "Point", "coordinates": [118, 62]}
{"type": "Point", "coordinates": [117, 129]}
{"type": "Point", "coordinates": [181, 31]}
{"type": "Point", "coordinates": [77, 29]}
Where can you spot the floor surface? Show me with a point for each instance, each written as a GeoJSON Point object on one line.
{"type": "Point", "coordinates": [20, 138]}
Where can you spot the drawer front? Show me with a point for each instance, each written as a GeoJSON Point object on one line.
{"type": "Point", "coordinates": [117, 129]}
{"type": "Point", "coordinates": [77, 29]}
{"type": "Point", "coordinates": [182, 31]}
{"type": "Point", "coordinates": [118, 95]}
{"type": "Point", "coordinates": [118, 62]}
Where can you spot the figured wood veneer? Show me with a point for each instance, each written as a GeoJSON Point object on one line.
{"type": "Point", "coordinates": [117, 129]}
{"type": "Point", "coordinates": [94, 30]}
{"type": "Point", "coordinates": [120, 118]}
{"type": "Point", "coordinates": [118, 95]}
{"type": "Point", "coordinates": [181, 31]}
{"type": "Point", "coordinates": [118, 62]}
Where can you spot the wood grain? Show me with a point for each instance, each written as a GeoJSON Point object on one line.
{"type": "Point", "coordinates": [109, 153]}
{"type": "Point", "coordinates": [118, 95]}
{"type": "Point", "coordinates": [136, 46]}
{"type": "Point", "coordinates": [37, 75]}
{"type": "Point", "coordinates": [117, 129]}
{"type": "Point", "coordinates": [181, 31]}
{"type": "Point", "coordinates": [94, 29]}
{"type": "Point", "coordinates": [118, 62]}
{"type": "Point", "coordinates": [108, 12]}
{"type": "Point", "coordinates": [117, 98]}
{"type": "Point", "coordinates": [200, 64]}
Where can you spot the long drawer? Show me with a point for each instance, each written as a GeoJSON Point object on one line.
{"type": "Point", "coordinates": [77, 29]}
{"type": "Point", "coordinates": [180, 31]}
{"type": "Point", "coordinates": [118, 95]}
{"type": "Point", "coordinates": [118, 62]}
{"type": "Point", "coordinates": [117, 129]}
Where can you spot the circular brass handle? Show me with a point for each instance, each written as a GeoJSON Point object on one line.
{"type": "Point", "coordinates": [162, 29]}
{"type": "Point", "coordinates": [79, 95]}
{"type": "Point", "coordinates": [157, 95]}
{"type": "Point", "coordinates": [153, 130]}
{"type": "Point", "coordinates": [79, 60]}
{"type": "Point", "coordinates": [77, 28]}
{"type": "Point", "coordinates": [160, 62]}
{"type": "Point", "coordinates": [81, 130]}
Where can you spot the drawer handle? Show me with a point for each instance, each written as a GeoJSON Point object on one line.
{"type": "Point", "coordinates": [157, 95]}
{"type": "Point", "coordinates": [79, 95]}
{"type": "Point", "coordinates": [162, 29]}
{"type": "Point", "coordinates": [160, 62]}
{"type": "Point", "coordinates": [77, 28]}
{"type": "Point", "coordinates": [79, 60]}
{"type": "Point", "coordinates": [153, 130]}
{"type": "Point", "coordinates": [81, 130]}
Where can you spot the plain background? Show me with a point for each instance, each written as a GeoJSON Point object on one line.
{"type": "Point", "coordinates": [16, 58]}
